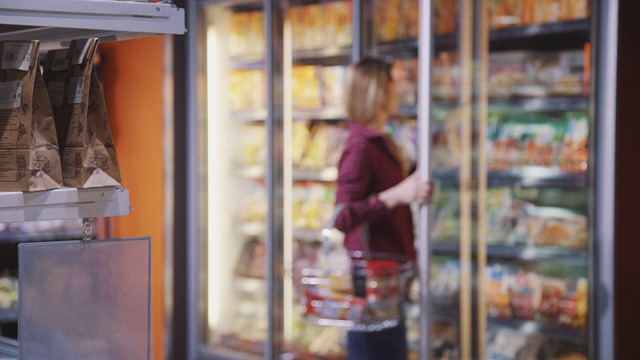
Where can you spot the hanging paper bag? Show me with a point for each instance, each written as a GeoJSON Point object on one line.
{"type": "Point", "coordinates": [29, 157]}
{"type": "Point", "coordinates": [88, 154]}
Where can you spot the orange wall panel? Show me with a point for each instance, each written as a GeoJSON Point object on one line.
{"type": "Point", "coordinates": [132, 75]}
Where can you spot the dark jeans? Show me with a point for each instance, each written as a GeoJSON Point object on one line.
{"type": "Point", "coordinates": [387, 344]}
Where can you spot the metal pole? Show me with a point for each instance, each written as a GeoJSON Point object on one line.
{"type": "Point", "coordinates": [358, 30]}
{"type": "Point", "coordinates": [604, 139]}
{"type": "Point", "coordinates": [425, 46]}
{"type": "Point", "coordinates": [274, 30]}
{"type": "Point", "coordinates": [185, 340]}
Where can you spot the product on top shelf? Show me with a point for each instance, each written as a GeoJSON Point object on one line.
{"type": "Point", "coordinates": [399, 19]}
{"type": "Point", "coordinates": [325, 25]}
{"type": "Point", "coordinates": [445, 16]}
{"type": "Point", "coordinates": [29, 157]}
{"type": "Point", "coordinates": [338, 23]}
{"type": "Point", "coordinates": [412, 18]}
{"type": "Point", "coordinates": [238, 24]}
{"type": "Point", "coordinates": [393, 25]}
{"type": "Point", "coordinates": [504, 13]}
{"type": "Point", "coordinates": [88, 155]}
{"type": "Point", "coordinates": [314, 22]}
{"type": "Point", "coordinates": [246, 34]}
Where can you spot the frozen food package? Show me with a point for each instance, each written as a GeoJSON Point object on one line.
{"type": "Point", "coordinates": [338, 18]}
{"type": "Point", "coordinates": [29, 157]}
{"type": "Point", "coordinates": [238, 23]}
{"type": "Point", "coordinates": [574, 155]}
{"type": "Point", "coordinates": [88, 155]}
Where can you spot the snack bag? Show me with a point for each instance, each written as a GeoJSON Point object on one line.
{"type": "Point", "coordinates": [29, 158]}
{"type": "Point", "coordinates": [89, 155]}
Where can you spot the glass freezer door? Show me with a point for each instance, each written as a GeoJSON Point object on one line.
{"type": "Point", "coordinates": [234, 315]}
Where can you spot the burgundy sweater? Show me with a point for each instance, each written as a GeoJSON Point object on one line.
{"type": "Point", "coordinates": [368, 166]}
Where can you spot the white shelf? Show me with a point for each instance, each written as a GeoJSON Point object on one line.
{"type": "Point", "coordinates": [55, 23]}
{"type": "Point", "coordinates": [64, 203]}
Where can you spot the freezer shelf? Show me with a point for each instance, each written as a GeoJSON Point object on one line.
{"type": "Point", "coordinates": [64, 203]}
{"type": "Point", "coordinates": [515, 252]}
{"type": "Point", "coordinates": [8, 349]}
{"type": "Point", "coordinates": [529, 176]}
{"type": "Point", "coordinates": [561, 32]}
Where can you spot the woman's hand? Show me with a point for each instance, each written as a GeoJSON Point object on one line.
{"type": "Point", "coordinates": [410, 190]}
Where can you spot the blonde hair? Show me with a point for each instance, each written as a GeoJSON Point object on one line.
{"type": "Point", "coordinates": [366, 88]}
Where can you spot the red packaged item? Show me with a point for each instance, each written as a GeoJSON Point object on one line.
{"type": "Point", "coordinates": [525, 293]}
{"type": "Point", "coordinates": [564, 303]}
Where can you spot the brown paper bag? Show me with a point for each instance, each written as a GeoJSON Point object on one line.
{"type": "Point", "coordinates": [88, 155]}
{"type": "Point", "coordinates": [29, 158]}
{"type": "Point", "coordinates": [55, 71]}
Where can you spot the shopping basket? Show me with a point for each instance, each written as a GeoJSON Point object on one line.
{"type": "Point", "coordinates": [359, 290]}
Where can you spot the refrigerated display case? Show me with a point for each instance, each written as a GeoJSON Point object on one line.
{"type": "Point", "coordinates": [515, 247]}
{"type": "Point", "coordinates": [521, 213]}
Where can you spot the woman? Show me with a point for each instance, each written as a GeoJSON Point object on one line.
{"type": "Point", "coordinates": [375, 189]}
